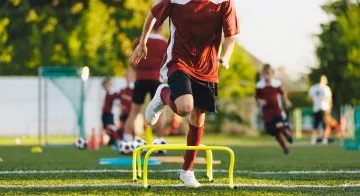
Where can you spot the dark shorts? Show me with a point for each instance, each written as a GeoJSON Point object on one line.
{"type": "Point", "coordinates": [204, 93]}
{"type": "Point", "coordinates": [270, 126]}
{"type": "Point", "coordinates": [107, 119]}
{"type": "Point", "coordinates": [320, 118]}
{"type": "Point", "coordinates": [123, 118]}
{"type": "Point", "coordinates": [142, 87]}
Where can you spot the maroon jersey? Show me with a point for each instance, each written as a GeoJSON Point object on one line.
{"type": "Point", "coordinates": [271, 94]}
{"type": "Point", "coordinates": [108, 102]}
{"type": "Point", "coordinates": [125, 100]}
{"type": "Point", "coordinates": [196, 28]}
{"type": "Point", "coordinates": [149, 68]}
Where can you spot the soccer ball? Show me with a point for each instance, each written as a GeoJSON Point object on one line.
{"type": "Point", "coordinates": [125, 147]}
{"type": "Point", "coordinates": [81, 143]}
{"type": "Point", "coordinates": [138, 142]}
{"type": "Point", "coordinates": [159, 141]}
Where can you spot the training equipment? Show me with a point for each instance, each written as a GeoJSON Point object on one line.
{"type": "Point", "coordinates": [81, 143]}
{"type": "Point", "coordinates": [66, 81]}
{"type": "Point", "coordinates": [160, 141]}
{"type": "Point", "coordinates": [137, 170]}
{"type": "Point", "coordinates": [138, 142]}
{"type": "Point", "coordinates": [180, 159]}
{"type": "Point", "coordinates": [36, 150]}
{"type": "Point", "coordinates": [93, 143]}
{"type": "Point", "coordinates": [350, 133]}
{"type": "Point", "coordinates": [125, 161]}
{"type": "Point", "coordinates": [125, 147]}
{"type": "Point", "coordinates": [148, 134]}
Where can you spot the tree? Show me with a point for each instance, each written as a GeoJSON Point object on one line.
{"type": "Point", "coordinates": [239, 80]}
{"type": "Point", "coordinates": [339, 52]}
{"type": "Point", "coordinates": [94, 33]}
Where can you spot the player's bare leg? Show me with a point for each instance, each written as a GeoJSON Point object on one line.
{"type": "Point", "coordinates": [285, 132]}
{"type": "Point", "coordinates": [327, 131]}
{"type": "Point", "coordinates": [129, 124]}
{"type": "Point", "coordinates": [314, 134]}
{"type": "Point", "coordinates": [114, 136]}
{"type": "Point", "coordinates": [280, 130]}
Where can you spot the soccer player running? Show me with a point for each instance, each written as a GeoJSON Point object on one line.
{"type": "Point", "coordinates": [268, 92]}
{"type": "Point", "coordinates": [147, 81]}
{"type": "Point", "coordinates": [125, 96]}
{"type": "Point", "coordinates": [191, 65]}
{"type": "Point", "coordinates": [107, 116]}
{"type": "Point", "coordinates": [321, 96]}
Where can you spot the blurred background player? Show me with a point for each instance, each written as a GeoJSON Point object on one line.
{"type": "Point", "coordinates": [107, 116]}
{"type": "Point", "coordinates": [268, 96]}
{"type": "Point", "coordinates": [191, 66]}
{"type": "Point", "coordinates": [321, 96]}
{"type": "Point", "coordinates": [147, 81]}
{"type": "Point", "coordinates": [125, 96]}
{"type": "Point", "coordinates": [172, 128]}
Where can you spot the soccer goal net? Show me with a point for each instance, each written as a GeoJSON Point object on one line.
{"type": "Point", "coordinates": [351, 133]}
{"type": "Point", "coordinates": [61, 104]}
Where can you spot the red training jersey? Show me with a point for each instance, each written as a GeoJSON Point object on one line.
{"type": "Point", "coordinates": [271, 94]}
{"type": "Point", "coordinates": [149, 68]}
{"type": "Point", "coordinates": [108, 102]}
{"type": "Point", "coordinates": [196, 28]}
{"type": "Point", "coordinates": [125, 96]}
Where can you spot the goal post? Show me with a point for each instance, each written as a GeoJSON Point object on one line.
{"type": "Point", "coordinates": [70, 81]}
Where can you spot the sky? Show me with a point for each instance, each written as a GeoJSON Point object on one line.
{"type": "Point", "coordinates": [281, 32]}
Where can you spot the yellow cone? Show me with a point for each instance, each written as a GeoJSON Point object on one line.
{"type": "Point", "coordinates": [36, 150]}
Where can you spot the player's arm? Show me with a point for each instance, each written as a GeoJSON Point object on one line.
{"type": "Point", "coordinates": [310, 95]}
{"type": "Point", "coordinates": [288, 103]}
{"type": "Point", "coordinates": [141, 49]}
{"type": "Point", "coordinates": [259, 100]}
{"type": "Point", "coordinates": [230, 29]}
{"type": "Point", "coordinates": [329, 97]}
{"type": "Point", "coordinates": [229, 44]}
{"type": "Point", "coordinates": [157, 14]}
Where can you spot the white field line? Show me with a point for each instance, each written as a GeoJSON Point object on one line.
{"type": "Point", "coordinates": [176, 170]}
{"type": "Point", "coordinates": [126, 185]}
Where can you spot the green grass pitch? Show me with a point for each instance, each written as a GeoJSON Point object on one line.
{"type": "Point", "coordinates": [260, 169]}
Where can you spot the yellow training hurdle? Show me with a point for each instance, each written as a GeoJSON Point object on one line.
{"type": "Point", "coordinates": [136, 160]}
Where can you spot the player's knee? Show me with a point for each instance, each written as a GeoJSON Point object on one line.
{"type": "Point", "coordinates": [279, 125]}
{"type": "Point", "coordinates": [185, 109]}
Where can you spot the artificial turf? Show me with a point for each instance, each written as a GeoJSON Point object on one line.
{"type": "Point", "coordinates": [254, 157]}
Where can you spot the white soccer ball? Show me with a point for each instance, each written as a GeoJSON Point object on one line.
{"type": "Point", "coordinates": [138, 142]}
{"type": "Point", "coordinates": [159, 142]}
{"type": "Point", "coordinates": [81, 143]}
{"type": "Point", "coordinates": [125, 147]}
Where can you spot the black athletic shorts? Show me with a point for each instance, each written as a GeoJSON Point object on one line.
{"type": "Point", "coordinates": [320, 118]}
{"type": "Point", "coordinates": [142, 87]}
{"type": "Point", "coordinates": [107, 119]}
{"type": "Point", "coordinates": [270, 126]}
{"type": "Point", "coordinates": [204, 93]}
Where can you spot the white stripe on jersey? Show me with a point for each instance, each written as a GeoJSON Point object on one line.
{"type": "Point", "coordinates": [164, 69]}
{"type": "Point", "coordinates": [156, 36]}
{"type": "Point", "coordinates": [181, 2]}
{"type": "Point", "coordinates": [218, 1]}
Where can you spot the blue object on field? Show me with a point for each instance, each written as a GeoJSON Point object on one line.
{"type": "Point", "coordinates": [126, 161]}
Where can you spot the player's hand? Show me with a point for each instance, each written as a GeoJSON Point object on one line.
{"type": "Point", "coordinates": [225, 62]}
{"type": "Point", "coordinates": [262, 102]}
{"type": "Point", "coordinates": [139, 53]}
{"type": "Point", "coordinates": [288, 104]}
